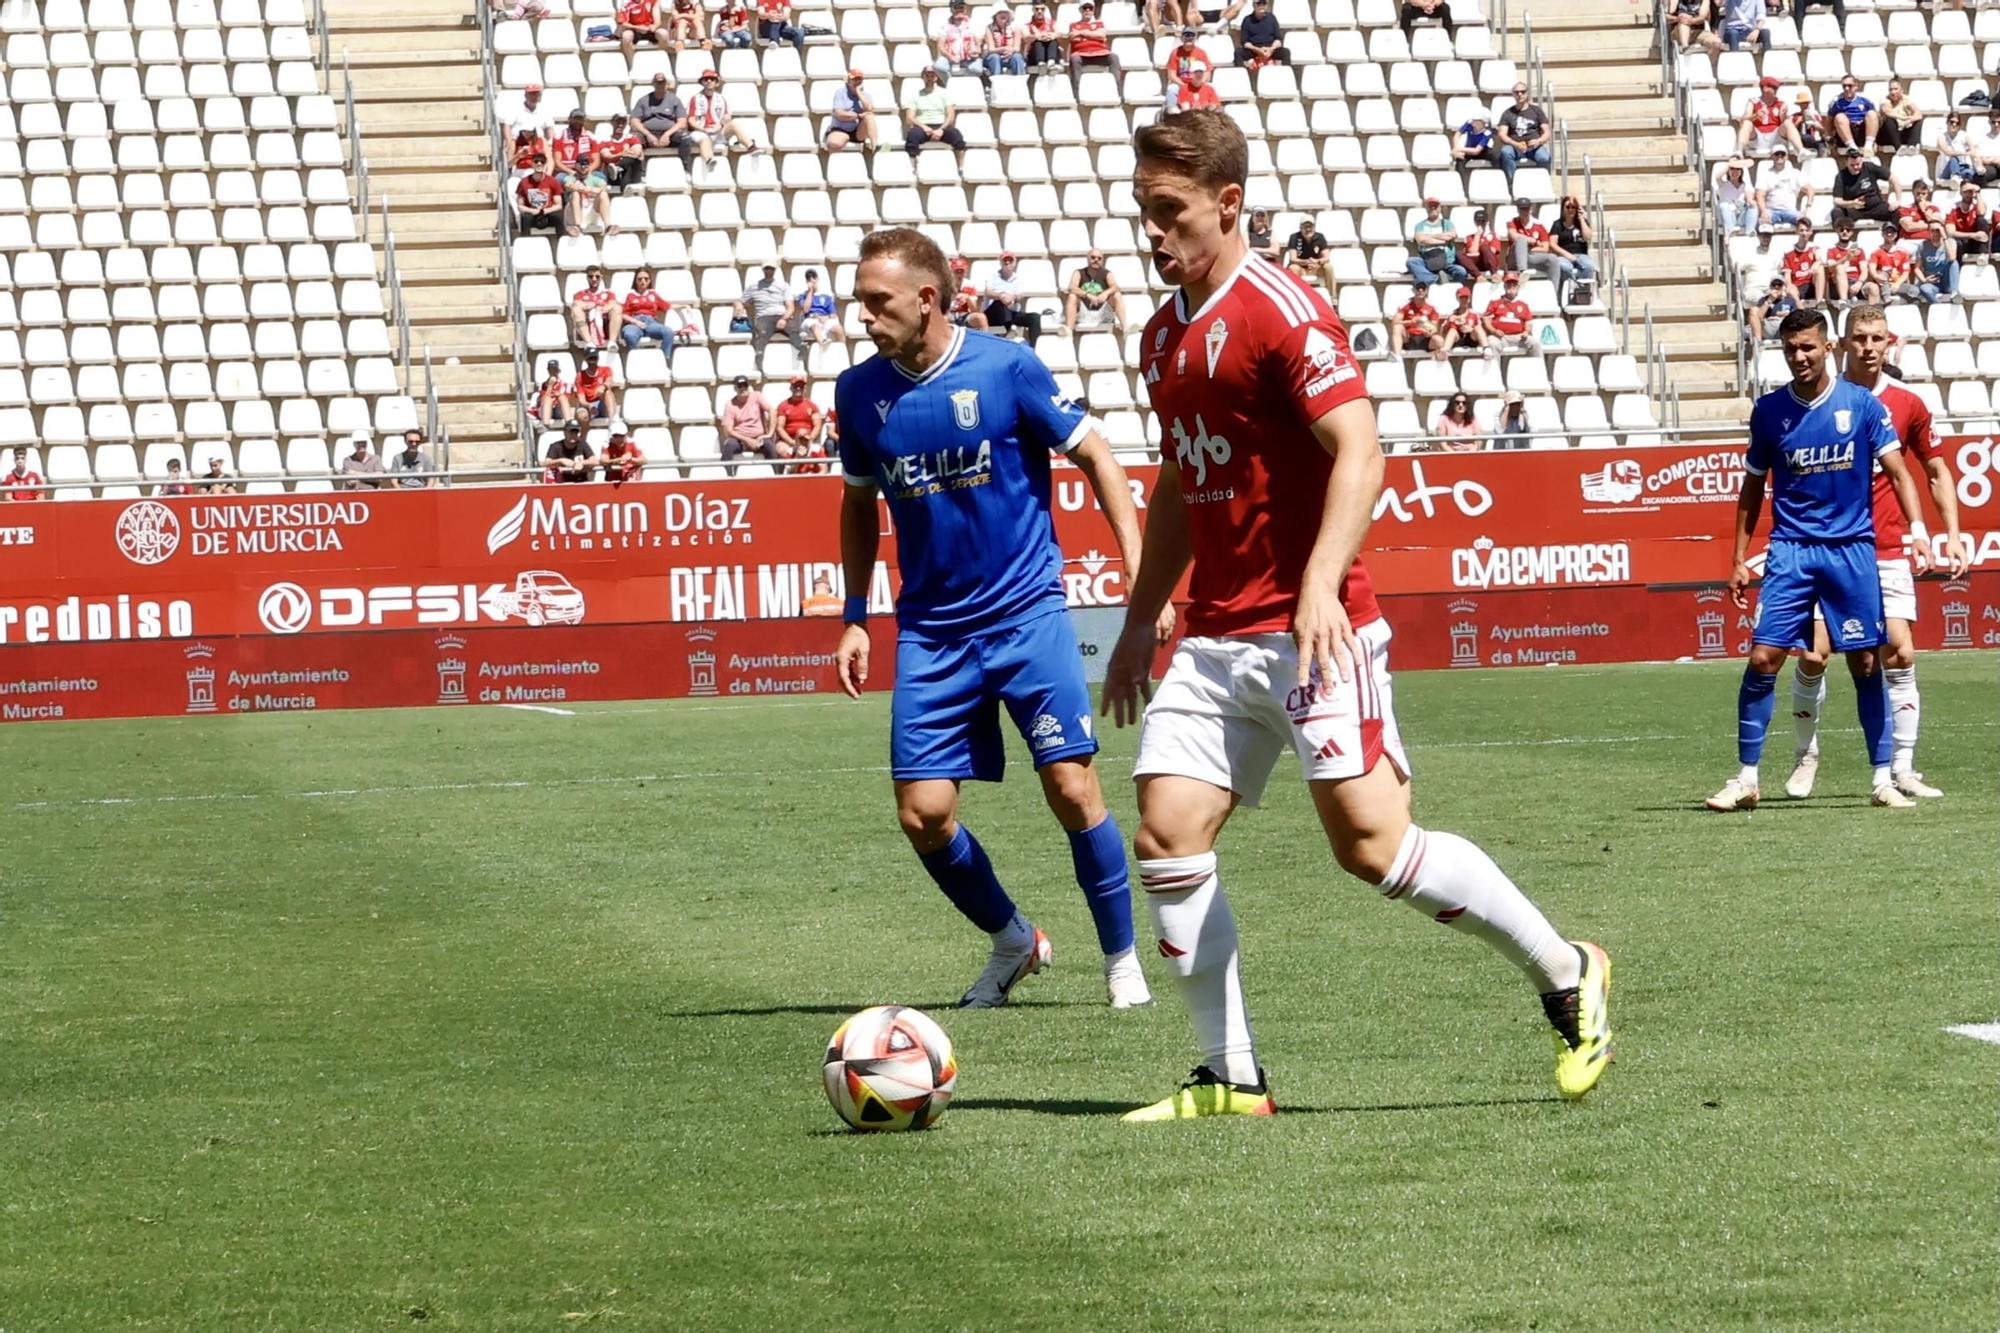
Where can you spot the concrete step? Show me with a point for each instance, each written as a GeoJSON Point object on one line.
{"type": "Point", "coordinates": [453, 267]}
{"type": "Point", "coordinates": [1703, 303]}
{"type": "Point", "coordinates": [419, 230]}
{"type": "Point", "coordinates": [1561, 48]}
{"type": "Point", "coordinates": [1561, 15]}
{"type": "Point", "coordinates": [377, 49]}
{"type": "Point", "coordinates": [1669, 264]}
{"type": "Point", "coordinates": [483, 340]}
{"type": "Point", "coordinates": [1646, 189]}
{"type": "Point", "coordinates": [436, 155]}
{"type": "Point", "coordinates": [439, 83]}
{"type": "Point", "coordinates": [1585, 80]}
{"type": "Point", "coordinates": [464, 115]}
{"type": "Point", "coordinates": [470, 453]}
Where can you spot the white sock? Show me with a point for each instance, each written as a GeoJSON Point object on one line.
{"type": "Point", "coordinates": [1903, 714]}
{"type": "Point", "coordinates": [1883, 777]}
{"type": "Point", "coordinates": [1808, 697]}
{"type": "Point", "coordinates": [1197, 936]}
{"type": "Point", "coordinates": [1747, 775]}
{"type": "Point", "coordinates": [1128, 954]}
{"type": "Point", "coordinates": [1451, 881]}
{"type": "Point", "coordinates": [1017, 936]}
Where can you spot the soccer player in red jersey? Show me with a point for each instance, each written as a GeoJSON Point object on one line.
{"type": "Point", "coordinates": [1866, 342]}
{"type": "Point", "coordinates": [1267, 483]}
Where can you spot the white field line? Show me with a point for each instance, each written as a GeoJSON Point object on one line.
{"type": "Point", "coordinates": [1989, 1032]}
{"type": "Point", "coordinates": [542, 708]}
{"type": "Point", "coordinates": [533, 784]}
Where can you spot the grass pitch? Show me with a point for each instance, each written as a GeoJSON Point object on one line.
{"type": "Point", "coordinates": [488, 1019]}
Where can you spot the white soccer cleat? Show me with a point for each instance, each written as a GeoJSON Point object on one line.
{"type": "Point", "coordinates": [1004, 969]}
{"type": "Point", "coordinates": [1800, 784]}
{"type": "Point", "coordinates": [1126, 984]}
{"type": "Point", "coordinates": [1911, 783]}
{"type": "Point", "coordinates": [1734, 796]}
{"type": "Point", "coordinates": [1889, 798]}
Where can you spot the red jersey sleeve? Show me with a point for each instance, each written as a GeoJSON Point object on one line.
{"type": "Point", "coordinates": [1316, 365]}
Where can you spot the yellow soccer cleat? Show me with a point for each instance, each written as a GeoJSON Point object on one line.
{"type": "Point", "coordinates": [1206, 1094]}
{"type": "Point", "coordinates": [1582, 1021]}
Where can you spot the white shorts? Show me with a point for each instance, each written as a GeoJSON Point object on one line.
{"type": "Point", "coordinates": [1762, 142]}
{"type": "Point", "coordinates": [1228, 706]}
{"type": "Point", "coordinates": [1899, 592]}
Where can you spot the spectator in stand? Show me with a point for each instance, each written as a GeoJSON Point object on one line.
{"type": "Point", "coordinates": [215, 481]}
{"type": "Point", "coordinates": [1262, 243]}
{"type": "Point", "coordinates": [1859, 191]}
{"type": "Point", "coordinates": [960, 44]}
{"type": "Point", "coordinates": [360, 469]}
{"type": "Point", "coordinates": [623, 460]}
{"type": "Point", "coordinates": [1954, 151]}
{"type": "Point", "coordinates": [1435, 240]}
{"type": "Point", "coordinates": [1007, 303]}
{"type": "Point", "coordinates": [1464, 327]}
{"type": "Point", "coordinates": [1481, 252]}
{"type": "Point", "coordinates": [177, 484]}
{"type": "Point", "coordinates": [929, 117]}
{"type": "Point", "coordinates": [1416, 327]}
{"type": "Point", "coordinates": [1934, 268]}
{"type": "Point", "coordinates": [1803, 268]}
{"type": "Point", "coordinates": [735, 26]}
{"type": "Point", "coordinates": [1782, 192]}
{"type": "Point", "coordinates": [1889, 270]}
{"type": "Point", "coordinates": [1765, 121]}
{"type": "Point", "coordinates": [1902, 125]}
{"type": "Point", "coordinates": [688, 22]}
{"type": "Point", "coordinates": [1090, 46]}
{"type": "Point", "coordinates": [964, 309]}
{"type": "Point", "coordinates": [1524, 132]}
{"type": "Point", "coordinates": [1000, 49]}
{"type": "Point", "coordinates": [590, 393]}
{"type": "Point", "coordinates": [661, 119]}
{"type": "Point", "coordinates": [524, 9]}
{"type": "Point", "coordinates": [23, 482]}
{"type": "Point", "coordinates": [639, 21]}
{"type": "Point", "coordinates": [1424, 11]}
{"type": "Point", "coordinates": [1569, 242]}
{"type": "Point", "coordinates": [1457, 429]}
{"type": "Point", "coordinates": [621, 155]}
{"type": "Point", "coordinates": [1506, 317]}
{"type": "Point", "coordinates": [1164, 16]}
{"type": "Point", "coordinates": [817, 313]}
{"type": "Point", "coordinates": [1808, 124]}
{"type": "Point", "coordinates": [746, 424]}
{"type": "Point", "coordinates": [592, 311]}
{"type": "Point", "coordinates": [550, 403]}
{"type": "Point", "coordinates": [1735, 199]}
{"type": "Point", "coordinates": [647, 314]}
{"type": "Point", "coordinates": [1968, 229]}
{"type": "Point", "coordinates": [1184, 59]}
{"type": "Point", "coordinates": [1525, 235]}
{"type": "Point", "coordinates": [539, 199]}
{"type": "Point", "coordinates": [1094, 292]}
{"type": "Point", "coordinates": [1215, 18]}
{"type": "Point", "coordinates": [1851, 119]}
{"type": "Point", "coordinates": [1474, 146]}
{"type": "Point", "coordinates": [1512, 431]}
{"type": "Point", "coordinates": [853, 116]}
{"type": "Point", "coordinates": [1741, 21]}
{"type": "Point", "coordinates": [1846, 264]}
{"type": "Point", "coordinates": [1762, 317]}
{"type": "Point", "coordinates": [569, 459]}
{"type": "Point", "coordinates": [1045, 46]}
{"type": "Point", "coordinates": [798, 421]}
{"type": "Point", "coordinates": [767, 304]}
{"type": "Point", "coordinates": [775, 24]}
{"type": "Point", "coordinates": [526, 149]}
{"type": "Point", "coordinates": [1920, 217]}
{"type": "Point", "coordinates": [1261, 40]}
{"type": "Point", "coordinates": [1305, 253]}
{"type": "Point", "coordinates": [1688, 20]}
{"type": "Point", "coordinates": [531, 114]}
{"type": "Point", "coordinates": [1196, 94]}
{"type": "Point", "coordinates": [584, 185]}
{"type": "Point", "coordinates": [709, 119]}
{"type": "Point", "coordinates": [409, 466]}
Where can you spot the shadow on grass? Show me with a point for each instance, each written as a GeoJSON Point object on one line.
{"type": "Point", "coordinates": [941, 1007]}
{"type": "Point", "coordinates": [1068, 1106]}
{"type": "Point", "coordinates": [1818, 803]}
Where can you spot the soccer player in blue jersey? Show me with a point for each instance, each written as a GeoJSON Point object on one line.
{"type": "Point", "coordinates": [1815, 441]}
{"type": "Point", "coordinates": [955, 430]}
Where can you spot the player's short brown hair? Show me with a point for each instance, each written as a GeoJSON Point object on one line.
{"type": "Point", "coordinates": [914, 250]}
{"type": "Point", "coordinates": [1867, 314]}
{"type": "Point", "coordinates": [1206, 146]}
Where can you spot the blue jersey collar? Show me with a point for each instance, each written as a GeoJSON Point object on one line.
{"type": "Point", "coordinates": [1793, 390]}
{"type": "Point", "coordinates": [937, 366]}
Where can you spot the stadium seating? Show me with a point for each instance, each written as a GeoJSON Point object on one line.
{"type": "Point", "coordinates": [182, 270]}
{"type": "Point", "coordinates": [1355, 134]}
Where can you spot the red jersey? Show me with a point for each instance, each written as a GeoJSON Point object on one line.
{"type": "Point", "coordinates": [1920, 445]}
{"type": "Point", "coordinates": [1894, 263]}
{"type": "Point", "coordinates": [590, 384]}
{"type": "Point", "coordinates": [797, 414]}
{"type": "Point", "coordinates": [1850, 257]}
{"type": "Point", "coordinates": [569, 152]}
{"type": "Point", "coordinates": [538, 190]}
{"type": "Point", "coordinates": [1509, 317]}
{"type": "Point", "coordinates": [624, 146]}
{"type": "Point", "coordinates": [1182, 62]}
{"type": "Point", "coordinates": [601, 298]}
{"type": "Point", "coordinates": [1086, 38]}
{"type": "Point", "coordinates": [1767, 116]}
{"type": "Point", "coordinates": [1534, 231]}
{"type": "Point", "coordinates": [22, 484]}
{"type": "Point", "coordinates": [1190, 98]}
{"type": "Point", "coordinates": [648, 304]}
{"type": "Point", "coordinates": [1912, 223]}
{"type": "Point", "coordinates": [1464, 320]}
{"type": "Point", "coordinates": [773, 11]}
{"type": "Point", "coordinates": [1418, 318]}
{"type": "Point", "coordinates": [1800, 265]}
{"type": "Point", "coordinates": [639, 14]}
{"type": "Point", "coordinates": [622, 460]}
{"type": "Point", "coordinates": [1965, 219]}
{"type": "Point", "coordinates": [524, 158]}
{"type": "Point", "coordinates": [1237, 386]}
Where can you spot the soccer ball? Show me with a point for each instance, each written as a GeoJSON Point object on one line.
{"type": "Point", "coordinates": [890, 1067]}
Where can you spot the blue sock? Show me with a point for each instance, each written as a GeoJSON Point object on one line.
{"type": "Point", "coordinates": [1099, 856]}
{"type": "Point", "coordinates": [1755, 700]}
{"type": "Point", "coordinates": [961, 869]}
{"type": "Point", "coordinates": [1871, 700]}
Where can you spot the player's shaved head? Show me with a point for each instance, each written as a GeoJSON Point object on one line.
{"type": "Point", "coordinates": [1205, 146]}
{"type": "Point", "coordinates": [1866, 342]}
{"type": "Point", "coordinates": [1866, 314]}
{"type": "Point", "coordinates": [916, 252]}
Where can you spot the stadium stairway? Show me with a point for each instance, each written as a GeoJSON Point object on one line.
{"type": "Point", "coordinates": [415, 66]}
{"type": "Point", "coordinates": [1602, 59]}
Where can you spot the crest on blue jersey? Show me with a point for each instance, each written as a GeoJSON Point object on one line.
{"type": "Point", "coordinates": [1843, 420]}
{"type": "Point", "coordinates": [965, 409]}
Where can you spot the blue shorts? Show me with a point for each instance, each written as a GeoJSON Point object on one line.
{"type": "Point", "coordinates": [944, 720]}
{"type": "Point", "coordinates": [1842, 578]}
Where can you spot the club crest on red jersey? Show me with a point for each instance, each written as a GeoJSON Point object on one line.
{"type": "Point", "coordinates": [1218, 334]}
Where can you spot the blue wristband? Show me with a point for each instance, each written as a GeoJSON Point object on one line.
{"type": "Point", "coordinates": [855, 611]}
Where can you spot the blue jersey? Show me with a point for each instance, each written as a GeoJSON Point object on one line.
{"type": "Point", "coordinates": [1821, 459]}
{"type": "Point", "coordinates": [961, 453]}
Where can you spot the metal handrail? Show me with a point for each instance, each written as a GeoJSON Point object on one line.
{"type": "Point", "coordinates": [354, 141]}
{"type": "Point", "coordinates": [399, 309]}
{"type": "Point", "coordinates": [431, 403]}
{"type": "Point", "coordinates": [319, 23]}
{"type": "Point", "coordinates": [504, 232]}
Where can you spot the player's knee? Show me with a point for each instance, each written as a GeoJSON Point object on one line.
{"type": "Point", "coordinates": [1367, 856]}
{"type": "Point", "coordinates": [1766, 659]}
{"type": "Point", "coordinates": [1899, 656]}
{"type": "Point", "coordinates": [1863, 662]}
{"type": "Point", "coordinates": [1073, 795]}
{"type": "Point", "coordinates": [1154, 842]}
{"type": "Point", "coordinates": [1812, 662]}
{"type": "Point", "coordinates": [928, 826]}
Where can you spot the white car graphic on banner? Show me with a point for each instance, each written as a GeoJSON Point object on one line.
{"type": "Point", "coordinates": [540, 597]}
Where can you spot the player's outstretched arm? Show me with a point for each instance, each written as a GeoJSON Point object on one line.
{"type": "Point", "coordinates": [860, 531]}
{"type": "Point", "coordinates": [1320, 625]}
{"type": "Point", "coordinates": [1749, 505]}
{"type": "Point", "coordinates": [1944, 494]}
{"type": "Point", "coordinates": [1164, 554]}
{"type": "Point", "coordinates": [1899, 477]}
